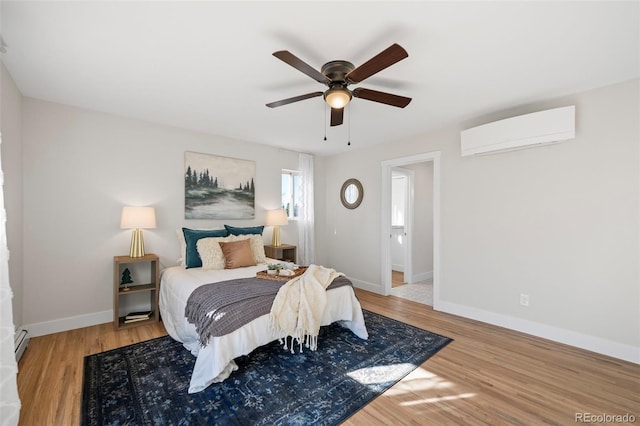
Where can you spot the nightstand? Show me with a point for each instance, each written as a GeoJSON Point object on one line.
{"type": "Point", "coordinates": [120, 263]}
{"type": "Point", "coordinates": [282, 252]}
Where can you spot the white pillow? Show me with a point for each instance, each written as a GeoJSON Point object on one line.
{"type": "Point", "coordinates": [211, 253]}
{"type": "Point", "coordinates": [257, 246]}
{"type": "Point", "coordinates": [183, 247]}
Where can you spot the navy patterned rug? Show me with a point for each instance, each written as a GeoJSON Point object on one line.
{"type": "Point", "coordinates": [146, 383]}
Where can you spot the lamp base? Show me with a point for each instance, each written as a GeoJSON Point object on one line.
{"type": "Point", "coordinates": [137, 244]}
{"type": "Point", "coordinates": [275, 239]}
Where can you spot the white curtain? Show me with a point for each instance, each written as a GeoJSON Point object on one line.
{"type": "Point", "coordinates": [306, 224]}
{"type": "Point", "coordinates": [9, 399]}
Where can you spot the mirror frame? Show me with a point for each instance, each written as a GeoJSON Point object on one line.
{"type": "Point", "coordinates": [343, 191]}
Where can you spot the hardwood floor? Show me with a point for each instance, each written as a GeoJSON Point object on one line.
{"type": "Point", "coordinates": [486, 376]}
{"type": "Point", "coordinates": [50, 371]}
{"type": "Point", "coordinates": [397, 279]}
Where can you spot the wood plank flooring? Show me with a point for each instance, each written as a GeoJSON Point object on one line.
{"type": "Point", "coordinates": [487, 376]}
{"type": "Point", "coordinates": [397, 279]}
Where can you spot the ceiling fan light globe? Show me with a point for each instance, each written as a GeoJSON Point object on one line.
{"type": "Point", "coordinates": [337, 97]}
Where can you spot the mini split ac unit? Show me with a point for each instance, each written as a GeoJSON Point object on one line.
{"type": "Point", "coordinates": [520, 132]}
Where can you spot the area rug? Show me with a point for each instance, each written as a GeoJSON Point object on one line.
{"type": "Point", "coordinates": [146, 383]}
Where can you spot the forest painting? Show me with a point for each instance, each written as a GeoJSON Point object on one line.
{"type": "Point", "coordinates": [218, 187]}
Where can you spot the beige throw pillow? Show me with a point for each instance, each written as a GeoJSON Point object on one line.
{"type": "Point", "coordinates": [237, 254]}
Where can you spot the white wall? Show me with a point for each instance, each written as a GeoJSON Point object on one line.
{"type": "Point", "coordinates": [422, 256]}
{"type": "Point", "coordinates": [557, 222]}
{"type": "Point", "coordinates": [80, 168]}
{"type": "Point", "coordinates": [11, 126]}
{"type": "Point", "coordinates": [323, 233]}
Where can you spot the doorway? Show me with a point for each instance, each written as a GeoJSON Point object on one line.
{"type": "Point", "coordinates": [421, 261]}
{"type": "Point", "coordinates": [401, 226]}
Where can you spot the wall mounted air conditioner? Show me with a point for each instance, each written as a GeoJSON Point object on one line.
{"type": "Point", "coordinates": [524, 131]}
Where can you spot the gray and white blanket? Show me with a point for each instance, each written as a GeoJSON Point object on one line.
{"type": "Point", "coordinates": [220, 308]}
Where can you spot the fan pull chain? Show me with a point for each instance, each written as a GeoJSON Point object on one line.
{"type": "Point", "coordinates": [349, 129]}
{"type": "Point", "coordinates": [325, 122]}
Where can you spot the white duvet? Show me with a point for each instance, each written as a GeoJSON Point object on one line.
{"type": "Point", "coordinates": [214, 362]}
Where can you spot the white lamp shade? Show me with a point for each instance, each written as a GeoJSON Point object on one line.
{"type": "Point", "coordinates": [276, 217]}
{"type": "Point", "coordinates": [138, 217]}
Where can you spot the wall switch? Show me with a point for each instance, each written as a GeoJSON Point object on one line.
{"type": "Point", "coordinates": [524, 299]}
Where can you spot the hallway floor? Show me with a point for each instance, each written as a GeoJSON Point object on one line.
{"type": "Point", "coordinates": [421, 292]}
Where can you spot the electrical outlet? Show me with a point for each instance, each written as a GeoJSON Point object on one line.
{"type": "Point", "coordinates": [524, 299]}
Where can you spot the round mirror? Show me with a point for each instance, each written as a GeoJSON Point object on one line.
{"type": "Point", "coordinates": [351, 193]}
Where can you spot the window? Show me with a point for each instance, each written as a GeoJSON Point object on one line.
{"type": "Point", "coordinates": [291, 193]}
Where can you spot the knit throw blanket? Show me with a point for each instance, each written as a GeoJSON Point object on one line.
{"type": "Point", "coordinates": [220, 308]}
{"type": "Point", "coordinates": [299, 305]}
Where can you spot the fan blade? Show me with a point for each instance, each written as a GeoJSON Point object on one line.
{"type": "Point", "coordinates": [300, 65]}
{"type": "Point", "coordinates": [382, 60]}
{"type": "Point", "coordinates": [337, 114]}
{"type": "Point", "coordinates": [294, 99]}
{"type": "Point", "coordinates": [382, 97]}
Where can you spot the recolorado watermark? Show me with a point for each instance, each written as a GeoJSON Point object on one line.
{"type": "Point", "coordinates": [604, 418]}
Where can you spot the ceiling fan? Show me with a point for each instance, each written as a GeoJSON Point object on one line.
{"type": "Point", "coordinates": [337, 75]}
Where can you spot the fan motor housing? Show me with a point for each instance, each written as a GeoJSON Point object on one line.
{"type": "Point", "coordinates": [337, 70]}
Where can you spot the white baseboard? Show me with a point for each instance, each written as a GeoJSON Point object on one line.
{"type": "Point", "coordinates": [595, 344]}
{"type": "Point", "coordinates": [424, 276]}
{"type": "Point", "coordinates": [69, 323]}
{"type": "Point", "coordinates": [374, 288]}
{"type": "Point", "coordinates": [399, 268]}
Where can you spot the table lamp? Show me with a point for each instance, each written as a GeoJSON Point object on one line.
{"type": "Point", "coordinates": [276, 218]}
{"type": "Point", "coordinates": [137, 218]}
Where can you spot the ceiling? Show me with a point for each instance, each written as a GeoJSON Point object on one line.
{"type": "Point", "coordinates": [207, 66]}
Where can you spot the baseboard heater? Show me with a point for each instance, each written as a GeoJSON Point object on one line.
{"type": "Point", "coordinates": [21, 340]}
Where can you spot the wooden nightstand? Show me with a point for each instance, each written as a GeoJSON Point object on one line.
{"type": "Point", "coordinates": [282, 252]}
{"type": "Point", "coordinates": [120, 263]}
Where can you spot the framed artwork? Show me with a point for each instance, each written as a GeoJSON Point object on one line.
{"type": "Point", "coordinates": [218, 187]}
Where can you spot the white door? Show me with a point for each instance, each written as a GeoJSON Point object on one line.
{"type": "Point", "coordinates": [401, 183]}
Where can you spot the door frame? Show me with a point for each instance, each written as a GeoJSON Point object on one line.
{"type": "Point", "coordinates": [408, 222]}
{"type": "Point", "coordinates": [385, 208]}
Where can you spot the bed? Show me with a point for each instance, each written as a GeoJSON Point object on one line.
{"type": "Point", "coordinates": [215, 361]}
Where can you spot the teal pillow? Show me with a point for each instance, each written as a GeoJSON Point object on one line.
{"type": "Point", "coordinates": [191, 237]}
{"type": "Point", "coordinates": [250, 230]}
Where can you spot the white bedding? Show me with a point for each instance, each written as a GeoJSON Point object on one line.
{"type": "Point", "coordinates": [214, 362]}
